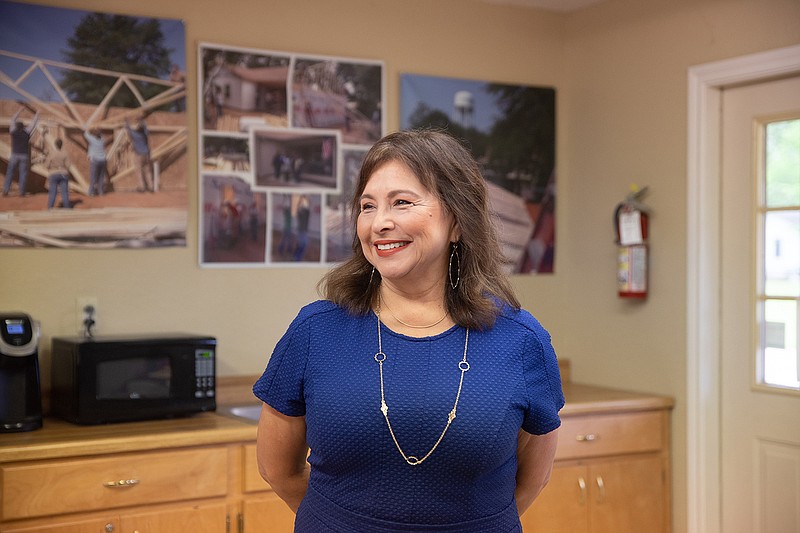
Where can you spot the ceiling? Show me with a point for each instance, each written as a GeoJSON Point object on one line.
{"type": "Point", "coordinates": [563, 6]}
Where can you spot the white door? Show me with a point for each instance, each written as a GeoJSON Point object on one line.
{"type": "Point", "coordinates": [760, 430]}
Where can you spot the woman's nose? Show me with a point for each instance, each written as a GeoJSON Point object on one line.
{"type": "Point", "coordinates": [383, 220]}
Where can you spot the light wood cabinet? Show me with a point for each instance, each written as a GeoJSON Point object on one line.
{"type": "Point", "coordinates": [612, 470]}
{"type": "Point", "coordinates": [92, 525]}
{"type": "Point", "coordinates": [262, 509]}
{"type": "Point", "coordinates": [53, 495]}
{"type": "Point", "coordinates": [170, 476]}
{"type": "Point", "coordinates": [43, 488]}
{"type": "Point", "coordinates": [215, 489]}
{"type": "Point", "coordinates": [628, 494]}
{"type": "Point", "coordinates": [199, 474]}
{"type": "Point", "coordinates": [202, 518]}
{"type": "Point", "coordinates": [212, 489]}
{"type": "Point", "coordinates": [266, 514]}
{"type": "Point", "coordinates": [562, 504]}
{"type": "Point", "coordinates": [211, 518]}
{"type": "Point", "coordinates": [619, 495]}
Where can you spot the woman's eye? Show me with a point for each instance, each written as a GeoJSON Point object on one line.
{"type": "Point", "coordinates": [403, 202]}
{"type": "Point", "coordinates": [366, 207]}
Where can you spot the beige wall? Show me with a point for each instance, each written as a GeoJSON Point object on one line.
{"type": "Point", "coordinates": [621, 73]}
{"type": "Point", "coordinates": [623, 120]}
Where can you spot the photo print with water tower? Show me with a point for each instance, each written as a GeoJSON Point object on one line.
{"type": "Point", "coordinates": [510, 130]}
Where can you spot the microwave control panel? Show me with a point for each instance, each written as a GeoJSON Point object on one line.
{"type": "Point", "coordinates": [204, 373]}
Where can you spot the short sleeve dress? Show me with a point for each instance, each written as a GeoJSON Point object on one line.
{"type": "Point", "coordinates": [324, 369]}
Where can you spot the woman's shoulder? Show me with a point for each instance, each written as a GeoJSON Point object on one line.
{"type": "Point", "coordinates": [320, 318]}
{"type": "Point", "coordinates": [522, 319]}
{"type": "Point", "coordinates": [318, 307]}
{"type": "Point", "coordinates": [324, 309]}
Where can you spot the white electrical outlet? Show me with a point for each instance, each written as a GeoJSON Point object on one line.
{"type": "Point", "coordinates": [83, 304]}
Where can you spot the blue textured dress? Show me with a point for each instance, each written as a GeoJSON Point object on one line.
{"type": "Point", "coordinates": [324, 368]}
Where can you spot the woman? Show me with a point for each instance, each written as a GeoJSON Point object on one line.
{"type": "Point", "coordinates": [428, 399]}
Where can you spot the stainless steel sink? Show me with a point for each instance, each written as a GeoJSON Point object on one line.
{"type": "Point", "coordinates": [247, 413]}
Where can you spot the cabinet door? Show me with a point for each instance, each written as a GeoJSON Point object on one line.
{"type": "Point", "coordinates": [628, 495]}
{"type": "Point", "coordinates": [210, 518]}
{"type": "Point", "coordinates": [42, 488]}
{"type": "Point", "coordinates": [253, 482]}
{"type": "Point", "coordinates": [267, 514]}
{"type": "Point", "coordinates": [562, 505]}
{"type": "Point", "coordinates": [94, 525]}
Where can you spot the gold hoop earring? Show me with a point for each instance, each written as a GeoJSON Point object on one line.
{"type": "Point", "coordinates": [457, 255]}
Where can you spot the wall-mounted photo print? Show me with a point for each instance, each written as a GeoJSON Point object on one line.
{"type": "Point", "coordinates": [295, 158]}
{"type": "Point", "coordinates": [93, 151]}
{"type": "Point", "coordinates": [511, 132]}
{"type": "Point", "coordinates": [243, 88]}
{"type": "Point", "coordinates": [287, 132]}
{"type": "Point", "coordinates": [296, 227]}
{"type": "Point", "coordinates": [233, 228]}
{"type": "Point", "coordinates": [333, 93]}
{"type": "Point", "coordinates": [339, 224]}
{"type": "Point", "coordinates": [226, 153]}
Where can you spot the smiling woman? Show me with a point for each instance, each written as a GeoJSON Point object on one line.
{"type": "Point", "coordinates": [406, 234]}
{"type": "Point", "coordinates": [404, 411]}
{"type": "Point", "coordinates": [437, 170]}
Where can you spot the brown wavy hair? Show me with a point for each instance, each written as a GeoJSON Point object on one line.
{"type": "Point", "coordinates": [445, 167]}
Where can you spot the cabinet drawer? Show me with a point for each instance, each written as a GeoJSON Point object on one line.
{"type": "Point", "coordinates": [609, 434]}
{"type": "Point", "coordinates": [55, 487]}
{"type": "Point", "coordinates": [253, 482]}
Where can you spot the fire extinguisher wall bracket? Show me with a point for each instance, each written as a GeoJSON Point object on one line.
{"type": "Point", "coordinates": [631, 231]}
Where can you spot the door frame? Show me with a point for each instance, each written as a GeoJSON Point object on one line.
{"type": "Point", "coordinates": [705, 84]}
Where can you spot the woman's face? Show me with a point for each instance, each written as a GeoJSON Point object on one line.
{"type": "Point", "coordinates": [404, 230]}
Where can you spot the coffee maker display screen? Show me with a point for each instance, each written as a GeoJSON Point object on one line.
{"type": "Point", "coordinates": [15, 332]}
{"type": "Point", "coordinates": [134, 378]}
{"type": "Point", "coordinates": [14, 327]}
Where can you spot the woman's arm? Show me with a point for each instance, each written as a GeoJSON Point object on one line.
{"type": "Point", "coordinates": [535, 455]}
{"type": "Point", "coordinates": [281, 450]}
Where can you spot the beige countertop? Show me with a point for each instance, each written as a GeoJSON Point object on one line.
{"type": "Point", "coordinates": [586, 399]}
{"type": "Point", "coordinates": [59, 439]}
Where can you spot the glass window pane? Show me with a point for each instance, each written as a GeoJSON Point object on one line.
{"type": "Point", "coordinates": [779, 355]}
{"type": "Point", "coordinates": [779, 343]}
{"type": "Point", "coordinates": [783, 163]}
{"type": "Point", "coordinates": [782, 253]}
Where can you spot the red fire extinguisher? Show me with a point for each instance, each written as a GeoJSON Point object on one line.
{"type": "Point", "coordinates": [631, 228]}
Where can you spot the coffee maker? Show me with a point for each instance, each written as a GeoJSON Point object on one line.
{"type": "Point", "coordinates": [20, 390]}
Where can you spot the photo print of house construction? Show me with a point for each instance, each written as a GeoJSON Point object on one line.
{"type": "Point", "coordinates": [93, 132]}
{"type": "Point", "coordinates": [281, 141]}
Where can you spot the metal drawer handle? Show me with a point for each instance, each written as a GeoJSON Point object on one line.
{"type": "Point", "coordinates": [589, 437]}
{"type": "Point", "coordinates": [121, 483]}
{"type": "Point", "coordinates": [582, 487]}
{"type": "Point", "coordinates": [601, 489]}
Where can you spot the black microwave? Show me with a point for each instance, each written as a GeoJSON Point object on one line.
{"type": "Point", "coordinates": [126, 378]}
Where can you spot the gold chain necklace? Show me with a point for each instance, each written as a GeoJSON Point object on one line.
{"type": "Point", "coordinates": [463, 366]}
{"type": "Point", "coordinates": [380, 300]}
